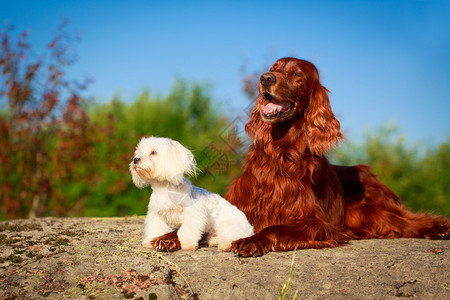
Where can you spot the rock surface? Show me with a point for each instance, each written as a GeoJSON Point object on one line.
{"type": "Point", "coordinates": [89, 258]}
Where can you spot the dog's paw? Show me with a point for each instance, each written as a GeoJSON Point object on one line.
{"type": "Point", "coordinates": [147, 244]}
{"type": "Point", "coordinates": [166, 242]}
{"type": "Point", "coordinates": [249, 247]}
{"type": "Point", "coordinates": [224, 245]}
{"type": "Point", "coordinates": [189, 246]}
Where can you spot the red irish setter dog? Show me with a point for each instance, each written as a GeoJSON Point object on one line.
{"type": "Point", "coordinates": [289, 191]}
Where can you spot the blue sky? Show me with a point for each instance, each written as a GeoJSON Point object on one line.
{"type": "Point", "coordinates": [383, 61]}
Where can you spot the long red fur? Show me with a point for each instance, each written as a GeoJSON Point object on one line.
{"type": "Point", "coordinates": [289, 191]}
{"type": "Point", "coordinates": [294, 197]}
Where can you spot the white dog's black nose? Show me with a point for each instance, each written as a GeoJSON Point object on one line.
{"type": "Point", "coordinates": [136, 160]}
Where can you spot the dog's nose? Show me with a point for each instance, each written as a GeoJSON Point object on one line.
{"type": "Point", "coordinates": [267, 79]}
{"type": "Point", "coordinates": [136, 160]}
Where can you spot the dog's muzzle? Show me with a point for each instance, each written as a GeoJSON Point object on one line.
{"type": "Point", "coordinates": [267, 79]}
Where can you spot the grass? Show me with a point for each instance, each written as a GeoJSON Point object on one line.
{"type": "Point", "coordinates": [285, 287]}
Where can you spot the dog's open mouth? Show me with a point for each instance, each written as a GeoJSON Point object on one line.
{"type": "Point", "coordinates": [275, 110]}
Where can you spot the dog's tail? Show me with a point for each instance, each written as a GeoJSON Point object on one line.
{"type": "Point", "coordinates": [376, 212]}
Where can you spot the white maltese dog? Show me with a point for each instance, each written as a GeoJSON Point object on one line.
{"type": "Point", "coordinates": [176, 204]}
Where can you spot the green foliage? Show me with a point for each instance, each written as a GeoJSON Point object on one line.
{"type": "Point", "coordinates": [63, 156]}
{"type": "Point", "coordinates": [419, 175]}
{"type": "Point", "coordinates": [42, 127]}
{"type": "Point", "coordinates": [187, 115]}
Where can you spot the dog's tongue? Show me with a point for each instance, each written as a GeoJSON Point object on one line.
{"type": "Point", "coordinates": [271, 108]}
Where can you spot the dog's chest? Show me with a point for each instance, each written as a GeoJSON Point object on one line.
{"type": "Point", "coordinates": [169, 211]}
{"type": "Point", "coordinates": [172, 215]}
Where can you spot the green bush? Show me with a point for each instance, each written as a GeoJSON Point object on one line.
{"type": "Point", "coordinates": [63, 156]}
{"type": "Point", "coordinates": [187, 115]}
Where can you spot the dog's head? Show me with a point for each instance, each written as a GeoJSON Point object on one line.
{"type": "Point", "coordinates": [288, 89]}
{"type": "Point", "coordinates": [161, 159]}
{"type": "Point", "coordinates": [290, 93]}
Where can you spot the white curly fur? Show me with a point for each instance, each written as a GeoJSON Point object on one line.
{"type": "Point", "coordinates": [176, 204]}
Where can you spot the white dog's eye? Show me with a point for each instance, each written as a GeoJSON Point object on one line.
{"type": "Point", "coordinates": [153, 152]}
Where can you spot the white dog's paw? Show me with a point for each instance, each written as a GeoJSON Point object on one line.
{"type": "Point", "coordinates": [224, 246]}
{"type": "Point", "coordinates": [213, 240]}
{"type": "Point", "coordinates": [147, 244]}
{"type": "Point", "coordinates": [189, 246]}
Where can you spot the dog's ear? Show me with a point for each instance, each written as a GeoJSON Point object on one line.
{"type": "Point", "coordinates": [323, 130]}
{"type": "Point", "coordinates": [179, 162]}
{"type": "Point", "coordinates": [187, 160]}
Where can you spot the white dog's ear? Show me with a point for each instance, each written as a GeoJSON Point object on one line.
{"type": "Point", "coordinates": [182, 162]}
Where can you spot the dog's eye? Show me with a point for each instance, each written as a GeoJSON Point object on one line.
{"type": "Point", "coordinates": [296, 74]}
{"type": "Point", "coordinates": [153, 152]}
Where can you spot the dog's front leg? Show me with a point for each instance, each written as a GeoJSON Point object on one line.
{"type": "Point", "coordinates": [154, 226]}
{"type": "Point", "coordinates": [193, 227]}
